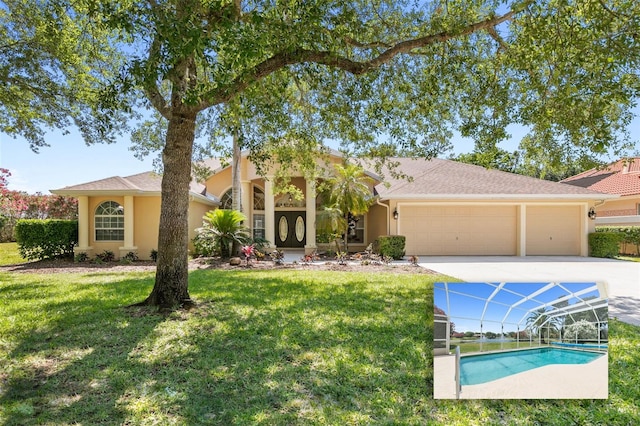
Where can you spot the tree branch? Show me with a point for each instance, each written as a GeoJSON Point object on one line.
{"type": "Point", "coordinates": [330, 59]}
{"type": "Point", "coordinates": [151, 87]}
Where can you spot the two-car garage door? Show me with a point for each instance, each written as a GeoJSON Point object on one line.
{"type": "Point", "coordinates": [440, 230]}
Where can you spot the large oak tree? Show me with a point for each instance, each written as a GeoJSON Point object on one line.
{"type": "Point", "coordinates": [385, 77]}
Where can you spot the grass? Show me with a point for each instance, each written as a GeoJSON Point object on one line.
{"type": "Point", "coordinates": [9, 254]}
{"type": "Point", "coordinates": [629, 258]}
{"type": "Point", "coordinates": [261, 348]}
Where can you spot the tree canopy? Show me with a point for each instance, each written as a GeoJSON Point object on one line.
{"type": "Point", "coordinates": [384, 78]}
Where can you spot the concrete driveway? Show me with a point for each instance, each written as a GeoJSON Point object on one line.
{"type": "Point", "coordinates": [623, 278]}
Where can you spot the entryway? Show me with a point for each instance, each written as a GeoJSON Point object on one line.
{"type": "Point", "coordinates": [290, 229]}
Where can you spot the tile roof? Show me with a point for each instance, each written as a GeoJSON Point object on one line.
{"type": "Point", "coordinates": [440, 177]}
{"type": "Point", "coordinates": [621, 177]}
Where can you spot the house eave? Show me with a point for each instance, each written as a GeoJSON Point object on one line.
{"type": "Point", "coordinates": [493, 197]}
{"type": "Point", "coordinates": [136, 193]}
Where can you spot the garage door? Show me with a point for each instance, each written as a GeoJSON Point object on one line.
{"type": "Point", "coordinates": [458, 230]}
{"type": "Point", "coordinates": [553, 230]}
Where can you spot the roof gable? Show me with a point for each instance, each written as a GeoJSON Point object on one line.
{"type": "Point", "coordinates": [146, 183]}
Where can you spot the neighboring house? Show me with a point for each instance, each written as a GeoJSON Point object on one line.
{"type": "Point", "coordinates": [448, 208]}
{"type": "Point", "coordinates": [620, 178]}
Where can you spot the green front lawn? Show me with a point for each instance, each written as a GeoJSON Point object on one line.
{"type": "Point", "coordinates": [9, 254]}
{"type": "Point", "coordinates": [277, 347]}
{"type": "Point", "coordinates": [263, 347]}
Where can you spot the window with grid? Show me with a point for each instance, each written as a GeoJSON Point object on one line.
{"type": "Point", "coordinates": [258, 213]}
{"type": "Point", "coordinates": [226, 201]}
{"type": "Point", "coordinates": [109, 222]}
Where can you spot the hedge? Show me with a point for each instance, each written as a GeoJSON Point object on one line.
{"type": "Point", "coordinates": [604, 244]}
{"type": "Point", "coordinates": [390, 245]}
{"type": "Point", "coordinates": [46, 238]}
{"type": "Point", "coordinates": [630, 234]}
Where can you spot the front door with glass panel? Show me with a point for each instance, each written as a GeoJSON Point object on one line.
{"type": "Point", "coordinates": [290, 229]}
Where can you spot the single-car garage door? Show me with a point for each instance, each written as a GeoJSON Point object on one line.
{"type": "Point", "coordinates": [553, 230]}
{"type": "Point", "coordinates": [458, 230]}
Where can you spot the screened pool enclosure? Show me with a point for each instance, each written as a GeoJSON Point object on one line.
{"type": "Point", "coordinates": [479, 317]}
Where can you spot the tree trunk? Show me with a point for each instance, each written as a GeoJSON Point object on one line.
{"type": "Point", "coordinates": [236, 187]}
{"type": "Point", "coordinates": [171, 286]}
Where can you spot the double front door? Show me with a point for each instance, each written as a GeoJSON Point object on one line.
{"type": "Point", "coordinates": [290, 229]}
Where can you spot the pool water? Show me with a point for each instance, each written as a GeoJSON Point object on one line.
{"type": "Point", "coordinates": [476, 369]}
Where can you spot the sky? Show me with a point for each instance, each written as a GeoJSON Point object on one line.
{"type": "Point", "coordinates": [67, 161]}
{"type": "Point", "coordinates": [466, 309]}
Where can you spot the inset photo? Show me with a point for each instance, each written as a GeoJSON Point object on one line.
{"type": "Point", "coordinates": [538, 340]}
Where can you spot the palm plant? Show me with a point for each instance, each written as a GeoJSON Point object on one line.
{"type": "Point", "coordinates": [329, 220]}
{"type": "Point", "coordinates": [221, 229]}
{"type": "Point", "coordinates": [349, 193]}
{"type": "Point", "coordinates": [539, 318]}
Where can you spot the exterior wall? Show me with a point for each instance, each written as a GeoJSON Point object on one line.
{"type": "Point", "coordinates": [196, 212]}
{"type": "Point", "coordinates": [219, 183]}
{"type": "Point", "coordinates": [146, 224]}
{"type": "Point", "coordinates": [376, 222]}
{"type": "Point", "coordinates": [624, 206]}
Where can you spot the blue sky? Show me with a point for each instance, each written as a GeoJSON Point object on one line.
{"type": "Point", "coordinates": [466, 306]}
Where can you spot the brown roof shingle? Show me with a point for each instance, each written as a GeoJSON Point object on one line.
{"type": "Point", "coordinates": [439, 177]}
{"type": "Point", "coordinates": [147, 182]}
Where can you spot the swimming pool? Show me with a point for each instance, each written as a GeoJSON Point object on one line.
{"type": "Point", "coordinates": [476, 369]}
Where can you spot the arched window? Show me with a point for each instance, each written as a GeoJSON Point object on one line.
{"type": "Point", "coordinates": [258, 198]}
{"type": "Point", "coordinates": [226, 201]}
{"type": "Point", "coordinates": [109, 222]}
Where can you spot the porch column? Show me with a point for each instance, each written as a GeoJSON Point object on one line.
{"type": "Point", "coordinates": [269, 212]}
{"type": "Point", "coordinates": [246, 205]}
{"type": "Point", "coordinates": [83, 227]}
{"type": "Point", "coordinates": [128, 227]}
{"type": "Point", "coordinates": [310, 247]}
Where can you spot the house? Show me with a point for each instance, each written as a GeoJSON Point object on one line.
{"type": "Point", "coordinates": [621, 178]}
{"type": "Point", "coordinates": [447, 208]}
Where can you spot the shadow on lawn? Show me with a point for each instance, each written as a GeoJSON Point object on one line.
{"type": "Point", "coordinates": [258, 349]}
{"type": "Point", "coordinates": [73, 368]}
{"type": "Point", "coordinates": [272, 350]}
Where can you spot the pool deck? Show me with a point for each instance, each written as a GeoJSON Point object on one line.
{"type": "Point", "coordinates": [581, 381]}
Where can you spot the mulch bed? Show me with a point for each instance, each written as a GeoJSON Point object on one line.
{"type": "Point", "coordinates": [67, 266]}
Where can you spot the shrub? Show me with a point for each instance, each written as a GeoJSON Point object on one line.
{"type": "Point", "coordinates": [221, 229]}
{"type": "Point", "coordinates": [81, 257]}
{"type": "Point", "coordinates": [581, 330]}
{"type": "Point", "coordinates": [106, 256]}
{"type": "Point", "coordinates": [630, 235]}
{"type": "Point", "coordinates": [390, 246]}
{"type": "Point", "coordinates": [129, 257]}
{"type": "Point", "coordinates": [604, 244]}
{"type": "Point", "coordinates": [46, 238]}
{"type": "Point", "coordinates": [154, 255]}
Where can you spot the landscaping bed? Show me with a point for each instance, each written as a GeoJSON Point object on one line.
{"type": "Point", "coordinates": [67, 266]}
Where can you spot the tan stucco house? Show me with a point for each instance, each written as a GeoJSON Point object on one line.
{"type": "Point", "coordinates": [447, 208]}
{"type": "Point", "coordinates": [620, 178]}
